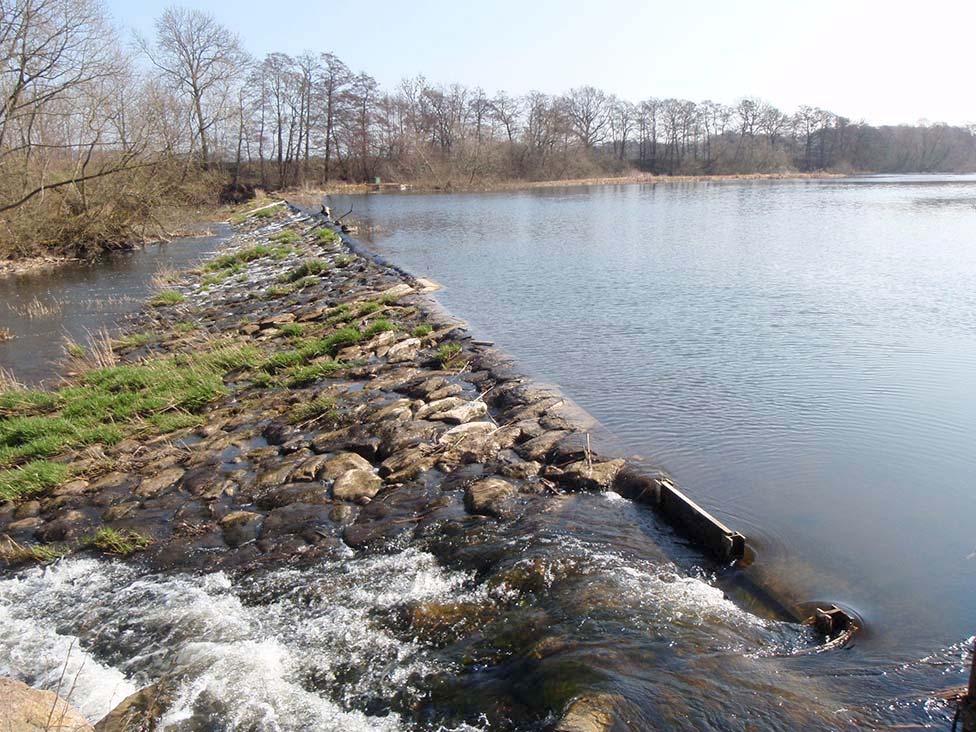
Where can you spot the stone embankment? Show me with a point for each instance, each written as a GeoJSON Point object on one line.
{"type": "Point", "coordinates": [289, 401]}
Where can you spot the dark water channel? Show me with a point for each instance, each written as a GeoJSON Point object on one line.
{"type": "Point", "coordinates": [43, 308]}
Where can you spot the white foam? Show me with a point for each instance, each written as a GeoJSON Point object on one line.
{"type": "Point", "coordinates": [246, 656]}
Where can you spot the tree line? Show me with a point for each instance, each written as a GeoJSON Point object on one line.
{"type": "Point", "coordinates": [99, 136]}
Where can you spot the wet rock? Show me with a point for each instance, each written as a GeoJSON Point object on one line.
{"type": "Point", "coordinates": [462, 477]}
{"type": "Point", "coordinates": [114, 479]}
{"type": "Point", "coordinates": [155, 484]}
{"type": "Point", "coordinates": [72, 488]}
{"type": "Point", "coordinates": [206, 482]}
{"type": "Point", "coordinates": [538, 448]}
{"type": "Point", "coordinates": [296, 518]}
{"type": "Point", "coordinates": [343, 513]}
{"type": "Point", "coordinates": [138, 712]}
{"type": "Point", "coordinates": [395, 292]}
{"type": "Point", "coordinates": [309, 492]}
{"type": "Point", "coordinates": [240, 527]}
{"type": "Point", "coordinates": [440, 405]}
{"type": "Point", "coordinates": [310, 469]}
{"type": "Point", "coordinates": [398, 411]}
{"type": "Point", "coordinates": [406, 465]}
{"type": "Point", "coordinates": [600, 713]}
{"type": "Point", "coordinates": [120, 511]}
{"type": "Point", "coordinates": [68, 526]}
{"type": "Point", "coordinates": [489, 497]}
{"type": "Point", "coordinates": [383, 340]}
{"type": "Point", "coordinates": [276, 475]}
{"type": "Point", "coordinates": [278, 433]}
{"type": "Point", "coordinates": [28, 509]}
{"type": "Point", "coordinates": [399, 436]}
{"type": "Point", "coordinates": [403, 351]}
{"type": "Point", "coordinates": [590, 476]}
{"type": "Point", "coordinates": [444, 392]}
{"type": "Point", "coordinates": [356, 485]}
{"type": "Point", "coordinates": [336, 465]}
{"type": "Point", "coordinates": [25, 525]}
{"type": "Point", "coordinates": [467, 412]}
{"type": "Point", "coordinates": [355, 439]}
{"type": "Point", "coordinates": [23, 709]}
{"type": "Point", "coordinates": [275, 320]}
{"type": "Point", "coordinates": [511, 465]}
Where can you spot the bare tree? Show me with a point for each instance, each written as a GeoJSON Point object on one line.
{"type": "Point", "coordinates": [200, 56]}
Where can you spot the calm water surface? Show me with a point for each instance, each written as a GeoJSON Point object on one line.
{"type": "Point", "coordinates": [43, 308]}
{"type": "Point", "coordinates": [801, 356]}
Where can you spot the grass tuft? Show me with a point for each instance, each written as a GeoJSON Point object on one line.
{"type": "Point", "coordinates": [305, 269]}
{"type": "Point", "coordinates": [322, 408]}
{"type": "Point", "coordinates": [449, 354]}
{"type": "Point", "coordinates": [421, 331]}
{"type": "Point", "coordinates": [122, 543]}
{"type": "Point", "coordinates": [167, 297]}
{"type": "Point", "coordinates": [378, 326]}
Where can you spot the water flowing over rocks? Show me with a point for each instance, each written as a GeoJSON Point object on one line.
{"type": "Point", "coordinates": [373, 527]}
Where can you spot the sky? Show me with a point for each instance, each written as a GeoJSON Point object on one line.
{"type": "Point", "coordinates": [883, 62]}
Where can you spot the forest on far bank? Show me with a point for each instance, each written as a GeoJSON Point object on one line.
{"type": "Point", "coordinates": [105, 140]}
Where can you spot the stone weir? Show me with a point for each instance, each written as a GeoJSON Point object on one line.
{"type": "Point", "coordinates": [290, 401]}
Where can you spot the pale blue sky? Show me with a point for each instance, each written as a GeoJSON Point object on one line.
{"type": "Point", "coordinates": [886, 62]}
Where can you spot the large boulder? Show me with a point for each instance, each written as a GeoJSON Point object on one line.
{"type": "Point", "coordinates": [23, 709]}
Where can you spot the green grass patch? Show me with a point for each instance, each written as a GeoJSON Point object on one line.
{"type": "Point", "coordinates": [305, 269]}
{"type": "Point", "coordinates": [285, 236]}
{"type": "Point", "coordinates": [327, 236]}
{"type": "Point", "coordinates": [308, 374]}
{"type": "Point", "coordinates": [108, 404]}
{"type": "Point", "coordinates": [122, 543]}
{"type": "Point", "coordinates": [313, 348]}
{"type": "Point", "coordinates": [344, 260]}
{"type": "Point", "coordinates": [292, 330]}
{"type": "Point", "coordinates": [33, 477]}
{"type": "Point", "coordinates": [233, 262]}
{"type": "Point", "coordinates": [167, 297]}
{"type": "Point", "coordinates": [322, 408]}
{"type": "Point", "coordinates": [422, 331]}
{"type": "Point", "coordinates": [378, 326]}
{"type": "Point", "coordinates": [13, 552]}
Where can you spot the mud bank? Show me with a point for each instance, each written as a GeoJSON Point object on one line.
{"type": "Point", "coordinates": [339, 425]}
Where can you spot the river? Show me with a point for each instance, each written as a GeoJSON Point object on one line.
{"type": "Point", "coordinates": [797, 355]}
{"type": "Point", "coordinates": [800, 355]}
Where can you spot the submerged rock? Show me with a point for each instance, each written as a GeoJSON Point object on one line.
{"type": "Point", "coordinates": [489, 497]}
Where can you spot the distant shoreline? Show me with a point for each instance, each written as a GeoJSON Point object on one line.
{"type": "Point", "coordinates": [309, 193]}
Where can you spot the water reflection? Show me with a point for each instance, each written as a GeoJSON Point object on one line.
{"type": "Point", "coordinates": [40, 309]}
